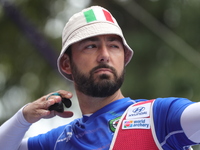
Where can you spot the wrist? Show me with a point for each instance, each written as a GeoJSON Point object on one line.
{"type": "Point", "coordinates": [23, 117]}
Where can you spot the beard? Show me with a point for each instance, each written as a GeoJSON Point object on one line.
{"type": "Point", "coordinates": [99, 86]}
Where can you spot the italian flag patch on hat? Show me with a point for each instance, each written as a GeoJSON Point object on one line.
{"type": "Point", "coordinates": [97, 15]}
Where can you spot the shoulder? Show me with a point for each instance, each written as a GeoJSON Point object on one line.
{"type": "Point", "coordinates": [172, 102]}
{"type": "Point", "coordinates": [67, 127]}
{"type": "Point", "coordinates": [164, 104]}
{"type": "Point", "coordinates": [166, 116]}
{"type": "Point", "coordinates": [169, 110]}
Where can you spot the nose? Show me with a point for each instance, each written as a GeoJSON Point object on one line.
{"type": "Point", "coordinates": [103, 55]}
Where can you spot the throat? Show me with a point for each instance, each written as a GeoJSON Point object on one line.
{"type": "Point", "coordinates": [90, 105]}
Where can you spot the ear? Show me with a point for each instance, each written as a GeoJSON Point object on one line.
{"type": "Point", "coordinates": [65, 65]}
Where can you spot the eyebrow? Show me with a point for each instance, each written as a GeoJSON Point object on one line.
{"type": "Point", "coordinates": [92, 39]}
{"type": "Point", "coordinates": [96, 38]}
{"type": "Point", "coordinates": [114, 38]}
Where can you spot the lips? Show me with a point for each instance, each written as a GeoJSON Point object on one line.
{"type": "Point", "coordinates": [103, 70]}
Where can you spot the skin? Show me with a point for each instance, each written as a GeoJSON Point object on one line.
{"type": "Point", "coordinates": [38, 109]}
{"type": "Point", "coordinates": [86, 55]}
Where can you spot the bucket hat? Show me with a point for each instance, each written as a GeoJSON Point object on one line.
{"type": "Point", "coordinates": [92, 21]}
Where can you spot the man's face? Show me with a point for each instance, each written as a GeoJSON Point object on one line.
{"type": "Point", "coordinates": [97, 65]}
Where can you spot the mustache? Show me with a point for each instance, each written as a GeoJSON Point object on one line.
{"type": "Point", "coordinates": [103, 66]}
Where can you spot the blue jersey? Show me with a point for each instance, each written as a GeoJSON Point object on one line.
{"type": "Point", "coordinates": [96, 131]}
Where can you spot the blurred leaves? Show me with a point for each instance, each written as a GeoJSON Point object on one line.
{"type": "Point", "coordinates": [156, 70]}
{"type": "Point", "coordinates": [166, 62]}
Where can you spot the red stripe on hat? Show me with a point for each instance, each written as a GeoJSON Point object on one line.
{"type": "Point", "coordinates": [108, 16]}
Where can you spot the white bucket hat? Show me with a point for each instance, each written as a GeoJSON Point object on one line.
{"type": "Point", "coordinates": [92, 21]}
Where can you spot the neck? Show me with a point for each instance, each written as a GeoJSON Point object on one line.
{"type": "Point", "coordinates": [90, 104]}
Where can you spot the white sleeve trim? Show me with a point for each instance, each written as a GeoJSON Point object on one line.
{"type": "Point", "coordinates": [12, 132]}
{"type": "Point", "coordinates": [190, 122]}
{"type": "Point", "coordinates": [24, 144]}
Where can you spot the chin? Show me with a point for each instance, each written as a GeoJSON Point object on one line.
{"type": "Point", "coordinates": [104, 76]}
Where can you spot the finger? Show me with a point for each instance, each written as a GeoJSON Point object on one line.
{"type": "Point", "coordinates": [50, 115]}
{"type": "Point", "coordinates": [49, 102]}
{"type": "Point", "coordinates": [65, 114]}
{"type": "Point", "coordinates": [53, 96]}
{"type": "Point", "coordinates": [44, 104]}
{"type": "Point", "coordinates": [65, 94]}
{"type": "Point", "coordinates": [54, 99]}
{"type": "Point", "coordinates": [43, 113]}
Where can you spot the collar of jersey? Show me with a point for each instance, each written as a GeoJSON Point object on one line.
{"type": "Point", "coordinates": [108, 108]}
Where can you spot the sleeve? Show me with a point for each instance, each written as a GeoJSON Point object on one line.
{"type": "Point", "coordinates": [24, 145]}
{"type": "Point", "coordinates": [12, 132]}
{"type": "Point", "coordinates": [190, 122]}
{"type": "Point", "coordinates": [45, 141]}
{"type": "Point", "coordinates": [167, 121]}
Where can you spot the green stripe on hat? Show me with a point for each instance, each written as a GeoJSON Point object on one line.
{"type": "Point", "coordinates": [89, 15]}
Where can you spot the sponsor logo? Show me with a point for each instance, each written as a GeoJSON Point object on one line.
{"type": "Point", "coordinates": [113, 123]}
{"type": "Point", "coordinates": [138, 111]}
{"type": "Point", "coordinates": [143, 123]}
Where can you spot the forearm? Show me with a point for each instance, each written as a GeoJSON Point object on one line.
{"type": "Point", "coordinates": [12, 132]}
{"type": "Point", "coordinates": [190, 122]}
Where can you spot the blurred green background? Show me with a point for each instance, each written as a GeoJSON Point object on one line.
{"type": "Point", "coordinates": [165, 36]}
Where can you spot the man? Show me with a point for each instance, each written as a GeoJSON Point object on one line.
{"type": "Point", "coordinates": [93, 57]}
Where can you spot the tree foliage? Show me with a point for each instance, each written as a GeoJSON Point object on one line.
{"type": "Point", "coordinates": [158, 68]}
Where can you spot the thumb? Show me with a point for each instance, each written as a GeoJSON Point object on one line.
{"type": "Point", "coordinates": [65, 114]}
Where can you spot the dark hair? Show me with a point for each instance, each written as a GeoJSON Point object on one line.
{"type": "Point", "coordinates": [69, 52]}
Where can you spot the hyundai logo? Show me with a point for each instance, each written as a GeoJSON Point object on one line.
{"type": "Point", "coordinates": [138, 109]}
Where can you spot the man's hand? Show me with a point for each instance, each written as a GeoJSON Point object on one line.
{"type": "Point", "coordinates": [39, 108]}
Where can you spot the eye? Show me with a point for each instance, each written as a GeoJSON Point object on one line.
{"type": "Point", "coordinates": [114, 46]}
{"type": "Point", "coordinates": [90, 46]}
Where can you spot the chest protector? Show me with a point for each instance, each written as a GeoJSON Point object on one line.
{"type": "Point", "coordinates": [135, 130]}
